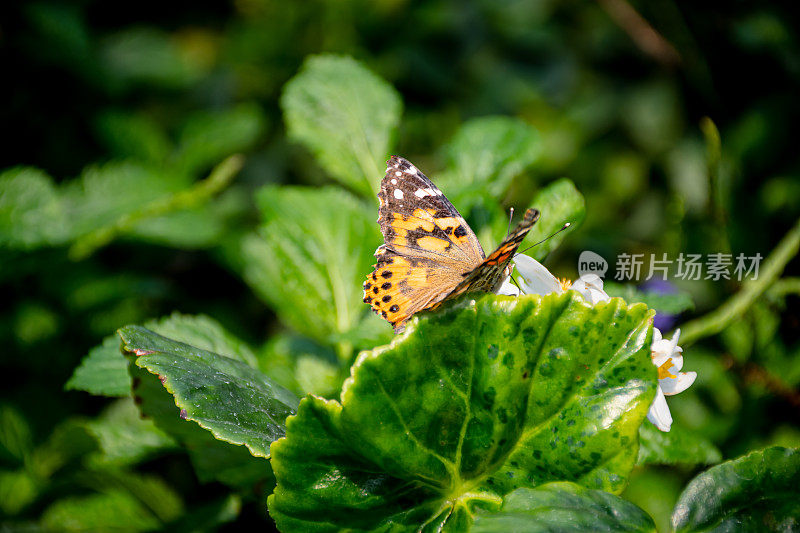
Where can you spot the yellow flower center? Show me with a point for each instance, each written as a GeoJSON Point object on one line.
{"type": "Point", "coordinates": [565, 283]}
{"type": "Point", "coordinates": [663, 370]}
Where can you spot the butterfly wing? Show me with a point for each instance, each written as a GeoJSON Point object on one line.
{"type": "Point", "coordinates": [490, 274]}
{"type": "Point", "coordinates": [428, 247]}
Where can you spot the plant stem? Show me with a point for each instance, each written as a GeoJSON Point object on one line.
{"type": "Point", "coordinates": [720, 318]}
{"type": "Point", "coordinates": [201, 192]}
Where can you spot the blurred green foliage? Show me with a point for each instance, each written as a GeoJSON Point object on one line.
{"type": "Point", "coordinates": [117, 207]}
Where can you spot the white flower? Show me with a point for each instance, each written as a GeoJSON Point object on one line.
{"type": "Point", "coordinates": [665, 354]}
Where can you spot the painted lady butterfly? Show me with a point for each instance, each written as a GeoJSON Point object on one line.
{"type": "Point", "coordinates": [429, 254]}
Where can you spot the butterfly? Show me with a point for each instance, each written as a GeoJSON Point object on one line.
{"type": "Point", "coordinates": [429, 254]}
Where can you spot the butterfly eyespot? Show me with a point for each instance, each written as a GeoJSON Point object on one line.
{"type": "Point", "coordinates": [395, 308]}
{"type": "Point", "coordinates": [386, 286]}
{"type": "Point", "coordinates": [386, 298]}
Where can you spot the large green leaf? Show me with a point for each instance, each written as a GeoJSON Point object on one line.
{"type": "Point", "coordinates": [345, 115]}
{"type": "Point", "coordinates": [234, 401]}
{"type": "Point", "coordinates": [104, 371]}
{"type": "Point", "coordinates": [563, 507]}
{"type": "Point", "coordinates": [487, 153]}
{"type": "Point", "coordinates": [676, 446]}
{"type": "Point", "coordinates": [31, 211]}
{"type": "Point", "coordinates": [559, 202]}
{"type": "Point", "coordinates": [469, 404]}
{"type": "Point", "coordinates": [311, 257]}
{"type": "Point", "coordinates": [756, 492]}
{"type": "Point", "coordinates": [212, 459]}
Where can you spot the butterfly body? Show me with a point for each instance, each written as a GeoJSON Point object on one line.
{"type": "Point", "coordinates": [430, 254]}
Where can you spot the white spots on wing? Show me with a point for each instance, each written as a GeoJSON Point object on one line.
{"type": "Point", "coordinates": [398, 174]}
{"type": "Point", "coordinates": [398, 194]}
{"type": "Point", "coordinates": [394, 182]}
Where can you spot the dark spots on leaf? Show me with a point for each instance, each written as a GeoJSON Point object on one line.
{"type": "Point", "coordinates": [386, 298]}
{"type": "Point", "coordinates": [501, 443]}
{"type": "Point", "coordinates": [460, 231]}
{"type": "Point", "coordinates": [490, 481]}
{"type": "Point", "coordinates": [508, 360]}
{"type": "Point", "coordinates": [525, 375]}
{"type": "Point", "coordinates": [570, 422]}
{"type": "Point", "coordinates": [386, 286]}
{"type": "Point", "coordinates": [386, 274]}
{"type": "Point", "coordinates": [493, 351]}
{"type": "Point", "coordinates": [537, 454]}
{"type": "Point", "coordinates": [395, 308]}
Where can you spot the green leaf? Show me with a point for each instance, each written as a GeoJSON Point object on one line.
{"type": "Point", "coordinates": [559, 202]}
{"type": "Point", "coordinates": [671, 304]}
{"type": "Point", "coordinates": [133, 135]}
{"type": "Point", "coordinates": [115, 510]}
{"type": "Point", "coordinates": [212, 459]}
{"type": "Point", "coordinates": [209, 137]}
{"type": "Point", "coordinates": [16, 441]}
{"type": "Point", "coordinates": [346, 116]}
{"type": "Point", "coordinates": [468, 405]}
{"type": "Point", "coordinates": [104, 193]}
{"type": "Point", "coordinates": [149, 57]}
{"type": "Point", "coordinates": [487, 153]}
{"type": "Point", "coordinates": [565, 507]}
{"type": "Point", "coordinates": [311, 258]}
{"type": "Point", "coordinates": [104, 371]}
{"type": "Point", "coordinates": [18, 489]}
{"type": "Point", "coordinates": [756, 492]}
{"type": "Point", "coordinates": [235, 402]}
{"type": "Point", "coordinates": [125, 437]}
{"type": "Point", "coordinates": [31, 212]}
{"type": "Point", "coordinates": [677, 446]}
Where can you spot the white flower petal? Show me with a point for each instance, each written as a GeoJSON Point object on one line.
{"type": "Point", "coordinates": [659, 413]}
{"type": "Point", "coordinates": [508, 288]}
{"type": "Point", "coordinates": [674, 341]}
{"type": "Point", "coordinates": [656, 335]}
{"type": "Point", "coordinates": [672, 386]}
{"type": "Point", "coordinates": [536, 279]}
{"type": "Point", "coordinates": [590, 286]}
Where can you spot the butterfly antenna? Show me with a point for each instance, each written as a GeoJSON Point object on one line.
{"type": "Point", "coordinates": [510, 217]}
{"type": "Point", "coordinates": [565, 226]}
